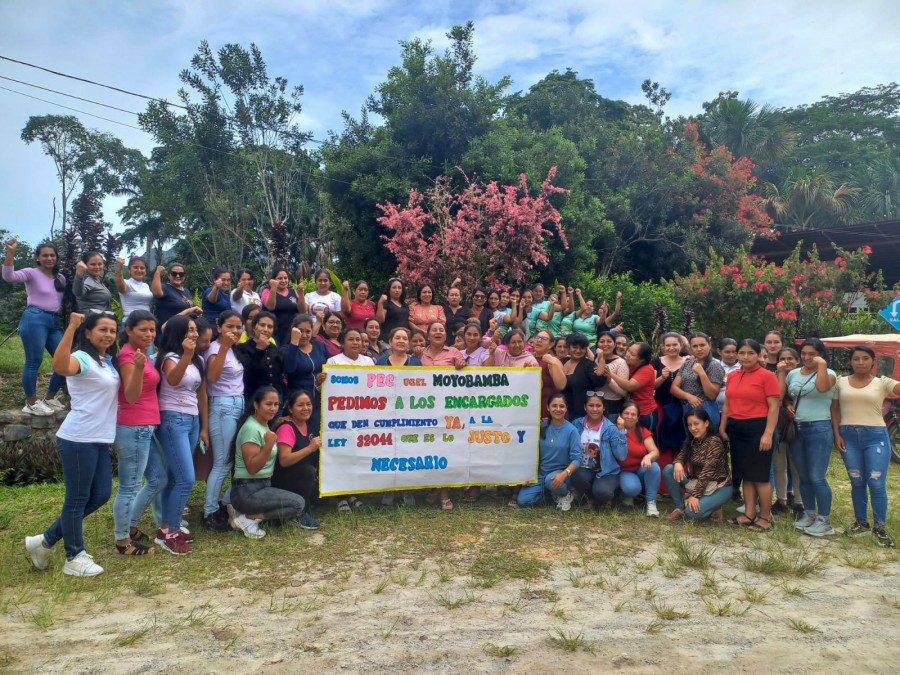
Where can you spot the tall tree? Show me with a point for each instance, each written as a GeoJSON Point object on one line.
{"type": "Point", "coordinates": [85, 160]}
{"type": "Point", "coordinates": [231, 167]}
{"type": "Point", "coordinates": [432, 106]}
{"type": "Point", "coordinates": [748, 130]}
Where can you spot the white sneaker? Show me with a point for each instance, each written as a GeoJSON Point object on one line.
{"type": "Point", "coordinates": [565, 503]}
{"type": "Point", "coordinates": [387, 499]}
{"type": "Point", "coordinates": [82, 565]}
{"type": "Point", "coordinates": [409, 499]}
{"type": "Point", "coordinates": [54, 404]}
{"type": "Point", "coordinates": [627, 501]}
{"type": "Point", "coordinates": [806, 520]}
{"type": "Point", "coordinates": [40, 555]}
{"type": "Point", "coordinates": [38, 409]}
{"type": "Point", "coordinates": [652, 511]}
{"type": "Point", "coordinates": [820, 528]}
{"type": "Point", "coordinates": [250, 528]}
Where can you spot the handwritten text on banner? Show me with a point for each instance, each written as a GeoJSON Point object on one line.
{"type": "Point", "coordinates": [399, 428]}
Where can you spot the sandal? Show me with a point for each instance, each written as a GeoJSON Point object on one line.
{"type": "Point", "coordinates": [736, 521]}
{"type": "Point", "coordinates": [675, 514]}
{"type": "Point", "coordinates": [473, 494]}
{"type": "Point", "coordinates": [513, 502]}
{"type": "Point", "coordinates": [139, 536]}
{"type": "Point", "coordinates": [756, 527]}
{"type": "Point", "coordinates": [446, 505]}
{"type": "Point", "coordinates": [343, 506]}
{"type": "Point", "coordinates": [355, 503]}
{"type": "Point", "coordinates": [134, 548]}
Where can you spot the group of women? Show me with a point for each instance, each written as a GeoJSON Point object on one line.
{"type": "Point", "coordinates": [233, 383]}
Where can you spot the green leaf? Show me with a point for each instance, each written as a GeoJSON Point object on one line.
{"type": "Point", "coordinates": [335, 280]}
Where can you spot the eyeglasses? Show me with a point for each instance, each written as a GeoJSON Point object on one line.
{"type": "Point", "coordinates": [177, 275]}
{"type": "Point", "coordinates": [594, 393]}
{"type": "Point", "coordinates": [541, 338]}
{"type": "Point", "coordinates": [478, 296]}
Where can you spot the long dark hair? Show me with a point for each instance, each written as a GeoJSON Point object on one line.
{"type": "Point", "coordinates": [81, 342]}
{"type": "Point", "coordinates": [546, 423]}
{"type": "Point", "coordinates": [57, 284]}
{"type": "Point", "coordinates": [256, 399]}
{"type": "Point", "coordinates": [173, 335]}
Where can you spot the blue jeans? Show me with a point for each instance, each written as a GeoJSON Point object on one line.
{"type": "Point", "coordinates": [631, 482]}
{"type": "Point", "coordinates": [867, 459]}
{"type": "Point", "coordinates": [39, 330]}
{"type": "Point", "coordinates": [132, 448]}
{"type": "Point", "coordinates": [224, 414]}
{"type": "Point", "coordinates": [155, 473]}
{"type": "Point", "coordinates": [602, 490]}
{"type": "Point", "coordinates": [708, 503]}
{"type": "Point", "coordinates": [541, 492]}
{"type": "Point", "coordinates": [811, 452]}
{"type": "Point", "coordinates": [87, 471]}
{"type": "Point", "coordinates": [178, 434]}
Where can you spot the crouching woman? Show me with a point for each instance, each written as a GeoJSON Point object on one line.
{"type": "Point", "coordinates": [255, 452]}
{"type": "Point", "coordinates": [701, 468]}
{"type": "Point", "coordinates": [560, 457]}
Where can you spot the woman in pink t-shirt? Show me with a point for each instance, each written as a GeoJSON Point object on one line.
{"type": "Point", "coordinates": [137, 420]}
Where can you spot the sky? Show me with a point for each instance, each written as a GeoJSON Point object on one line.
{"type": "Point", "coordinates": [780, 52]}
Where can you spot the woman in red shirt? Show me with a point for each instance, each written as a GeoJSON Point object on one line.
{"type": "Point", "coordinates": [639, 468]}
{"type": "Point", "coordinates": [749, 416]}
{"type": "Point", "coordinates": [358, 309]}
{"type": "Point", "coordinates": [640, 383]}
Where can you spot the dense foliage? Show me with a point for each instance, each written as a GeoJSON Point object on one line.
{"type": "Point", "coordinates": [234, 181]}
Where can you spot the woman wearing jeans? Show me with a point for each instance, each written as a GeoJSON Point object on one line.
{"type": "Point", "coordinates": [702, 469]}
{"type": "Point", "coordinates": [39, 327]}
{"type": "Point", "coordinates": [182, 407]}
{"type": "Point", "coordinates": [87, 466]}
{"type": "Point", "coordinates": [138, 418]}
{"type": "Point", "coordinates": [862, 438]}
{"type": "Point", "coordinates": [225, 389]}
{"type": "Point", "coordinates": [811, 388]}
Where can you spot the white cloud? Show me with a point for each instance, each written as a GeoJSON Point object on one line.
{"type": "Point", "coordinates": [778, 51]}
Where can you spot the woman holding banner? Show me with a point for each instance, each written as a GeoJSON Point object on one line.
{"type": "Point", "coordinates": [559, 458]}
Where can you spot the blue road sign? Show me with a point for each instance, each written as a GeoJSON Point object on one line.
{"type": "Point", "coordinates": [891, 313]}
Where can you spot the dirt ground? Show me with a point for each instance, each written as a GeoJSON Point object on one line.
{"type": "Point", "coordinates": [631, 614]}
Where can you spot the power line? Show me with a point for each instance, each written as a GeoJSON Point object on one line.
{"type": "Point", "coordinates": [83, 112]}
{"type": "Point", "coordinates": [62, 93]}
{"type": "Point", "coordinates": [98, 84]}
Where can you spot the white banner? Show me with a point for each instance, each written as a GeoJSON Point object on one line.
{"type": "Point", "coordinates": [400, 428]}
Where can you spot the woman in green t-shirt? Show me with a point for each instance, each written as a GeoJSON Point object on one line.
{"type": "Point", "coordinates": [254, 455]}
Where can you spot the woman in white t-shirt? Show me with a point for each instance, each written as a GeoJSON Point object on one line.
{"type": "Point", "coordinates": [87, 466]}
{"type": "Point", "coordinates": [134, 292]}
{"type": "Point", "coordinates": [862, 437]}
{"type": "Point", "coordinates": [243, 293]}
{"type": "Point", "coordinates": [323, 299]}
{"type": "Point", "coordinates": [352, 347]}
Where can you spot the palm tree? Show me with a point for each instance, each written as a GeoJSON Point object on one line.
{"type": "Point", "coordinates": [880, 183]}
{"type": "Point", "coordinates": [748, 130]}
{"type": "Point", "coordinates": [809, 200]}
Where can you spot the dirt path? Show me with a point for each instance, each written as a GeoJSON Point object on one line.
{"type": "Point", "coordinates": [637, 614]}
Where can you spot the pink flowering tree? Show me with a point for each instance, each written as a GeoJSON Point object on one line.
{"type": "Point", "coordinates": [485, 233]}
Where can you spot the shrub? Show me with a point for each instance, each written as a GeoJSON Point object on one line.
{"type": "Point", "coordinates": [639, 301]}
{"type": "Point", "coordinates": [29, 461]}
{"type": "Point", "coordinates": [747, 296]}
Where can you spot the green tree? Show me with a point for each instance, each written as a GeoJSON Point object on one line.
{"type": "Point", "coordinates": [229, 168]}
{"type": "Point", "coordinates": [432, 107]}
{"type": "Point", "coordinates": [85, 160]}
{"type": "Point", "coordinates": [748, 130]}
{"type": "Point", "coordinates": [809, 199]}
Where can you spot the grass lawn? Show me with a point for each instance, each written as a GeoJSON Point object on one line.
{"type": "Point", "coordinates": [12, 360]}
{"type": "Point", "coordinates": [517, 587]}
